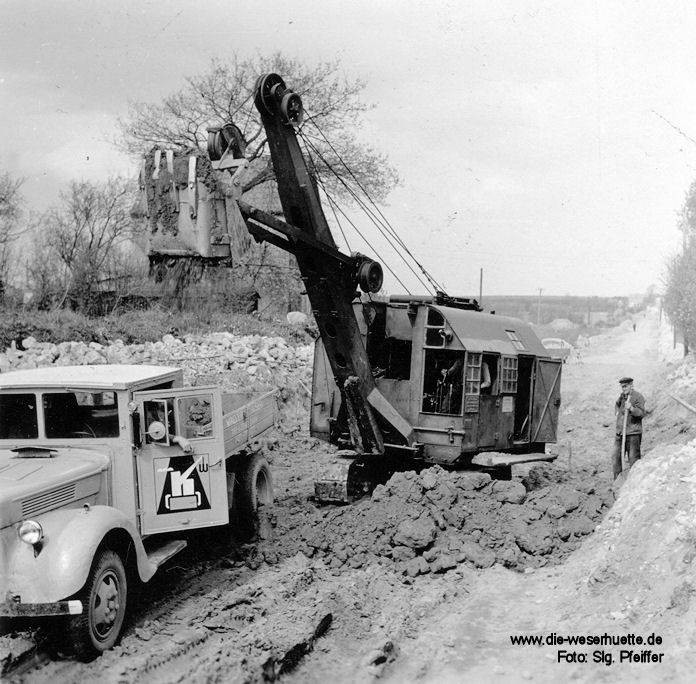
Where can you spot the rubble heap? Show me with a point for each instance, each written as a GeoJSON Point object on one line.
{"type": "Point", "coordinates": [268, 360]}
{"type": "Point", "coordinates": [434, 520]}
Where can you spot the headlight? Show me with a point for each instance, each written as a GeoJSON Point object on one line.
{"type": "Point", "coordinates": [30, 532]}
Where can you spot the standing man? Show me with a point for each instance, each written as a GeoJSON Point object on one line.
{"type": "Point", "coordinates": [630, 409]}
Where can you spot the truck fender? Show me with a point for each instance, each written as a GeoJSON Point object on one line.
{"type": "Point", "coordinates": [58, 566]}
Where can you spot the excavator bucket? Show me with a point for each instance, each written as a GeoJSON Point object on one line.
{"type": "Point", "coordinates": [332, 485]}
{"type": "Point", "coordinates": [351, 478]}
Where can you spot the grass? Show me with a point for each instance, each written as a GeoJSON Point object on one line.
{"type": "Point", "coordinates": [135, 327]}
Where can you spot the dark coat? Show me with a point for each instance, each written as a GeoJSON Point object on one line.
{"type": "Point", "coordinates": [634, 424]}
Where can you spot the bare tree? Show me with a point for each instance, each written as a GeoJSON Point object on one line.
{"type": "Point", "coordinates": [680, 277]}
{"type": "Point", "coordinates": [680, 293]}
{"type": "Point", "coordinates": [10, 214]}
{"type": "Point", "coordinates": [224, 93]}
{"type": "Point", "coordinates": [42, 270]}
{"type": "Point", "coordinates": [87, 236]}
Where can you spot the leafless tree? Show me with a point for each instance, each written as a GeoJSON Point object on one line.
{"type": "Point", "coordinates": [680, 276]}
{"type": "Point", "coordinates": [224, 93]}
{"type": "Point", "coordinates": [87, 239]}
{"type": "Point", "coordinates": [11, 205]}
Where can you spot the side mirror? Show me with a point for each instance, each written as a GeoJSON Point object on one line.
{"type": "Point", "coordinates": [156, 430]}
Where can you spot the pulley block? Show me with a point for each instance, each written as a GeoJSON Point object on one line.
{"type": "Point", "coordinates": [370, 276]}
{"type": "Point", "coordinates": [227, 138]}
{"type": "Point", "coordinates": [273, 96]}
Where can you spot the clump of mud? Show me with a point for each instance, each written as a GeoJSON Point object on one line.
{"type": "Point", "coordinates": [432, 521]}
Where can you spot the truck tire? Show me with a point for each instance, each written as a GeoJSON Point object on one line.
{"type": "Point", "coordinates": [253, 488]}
{"type": "Point", "coordinates": [103, 598]}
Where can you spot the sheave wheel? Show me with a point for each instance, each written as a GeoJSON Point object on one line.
{"type": "Point", "coordinates": [253, 488]}
{"type": "Point", "coordinates": [103, 607]}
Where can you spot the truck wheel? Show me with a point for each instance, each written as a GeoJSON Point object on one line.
{"type": "Point", "coordinates": [253, 488]}
{"type": "Point", "coordinates": [103, 607]}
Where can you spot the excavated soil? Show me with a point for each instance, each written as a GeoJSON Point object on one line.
{"type": "Point", "coordinates": [436, 520]}
{"type": "Point", "coordinates": [427, 579]}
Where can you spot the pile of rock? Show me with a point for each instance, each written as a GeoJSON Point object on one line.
{"type": "Point", "coordinates": [270, 359]}
{"type": "Point", "coordinates": [435, 520]}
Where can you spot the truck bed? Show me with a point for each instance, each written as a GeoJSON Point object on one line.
{"type": "Point", "coordinates": [247, 416]}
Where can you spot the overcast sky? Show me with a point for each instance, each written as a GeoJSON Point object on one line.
{"type": "Point", "coordinates": [530, 136]}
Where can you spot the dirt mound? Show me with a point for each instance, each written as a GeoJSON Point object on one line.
{"type": "Point", "coordinates": [432, 521]}
{"type": "Point", "coordinates": [646, 546]}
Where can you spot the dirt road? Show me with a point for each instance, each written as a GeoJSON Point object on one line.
{"type": "Point", "coordinates": [309, 603]}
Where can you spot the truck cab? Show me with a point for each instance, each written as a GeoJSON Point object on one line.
{"type": "Point", "coordinates": [96, 464]}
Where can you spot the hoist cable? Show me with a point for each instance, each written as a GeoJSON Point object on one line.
{"type": "Point", "coordinates": [365, 240]}
{"type": "Point", "coordinates": [383, 219]}
{"type": "Point", "coordinates": [382, 227]}
{"type": "Point", "coordinates": [329, 199]}
{"type": "Point", "coordinates": [370, 215]}
{"type": "Point", "coordinates": [367, 211]}
{"type": "Point", "coordinates": [386, 221]}
{"type": "Point", "coordinates": [357, 230]}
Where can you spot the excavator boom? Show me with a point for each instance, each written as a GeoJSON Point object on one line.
{"type": "Point", "coordinates": [330, 277]}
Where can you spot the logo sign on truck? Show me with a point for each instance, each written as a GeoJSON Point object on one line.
{"type": "Point", "coordinates": [183, 483]}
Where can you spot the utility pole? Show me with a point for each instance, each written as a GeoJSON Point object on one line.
{"type": "Point", "coordinates": [481, 285]}
{"type": "Point", "coordinates": [539, 307]}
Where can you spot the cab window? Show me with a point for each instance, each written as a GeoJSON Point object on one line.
{"type": "Point", "coordinates": [442, 381]}
{"type": "Point", "coordinates": [80, 415]}
{"type": "Point", "coordinates": [159, 421]}
{"type": "Point", "coordinates": [18, 417]}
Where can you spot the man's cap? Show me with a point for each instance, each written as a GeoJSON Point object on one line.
{"type": "Point", "coordinates": [625, 381]}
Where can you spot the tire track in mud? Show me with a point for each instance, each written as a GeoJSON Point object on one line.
{"type": "Point", "coordinates": [47, 658]}
{"type": "Point", "coordinates": [165, 605]}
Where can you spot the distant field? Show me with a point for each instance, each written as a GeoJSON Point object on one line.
{"type": "Point", "coordinates": [575, 309]}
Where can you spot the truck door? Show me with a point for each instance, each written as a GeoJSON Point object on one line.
{"type": "Point", "coordinates": [545, 400]}
{"type": "Point", "coordinates": [179, 490]}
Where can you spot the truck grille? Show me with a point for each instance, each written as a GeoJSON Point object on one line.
{"type": "Point", "coordinates": [48, 500]}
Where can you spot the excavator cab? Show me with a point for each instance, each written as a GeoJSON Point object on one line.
{"type": "Point", "coordinates": [477, 388]}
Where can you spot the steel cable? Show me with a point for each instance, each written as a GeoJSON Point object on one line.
{"type": "Point", "coordinates": [370, 215]}
{"type": "Point", "coordinates": [386, 223]}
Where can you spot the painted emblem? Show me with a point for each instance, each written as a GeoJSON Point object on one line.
{"type": "Point", "coordinates": [183, 488]}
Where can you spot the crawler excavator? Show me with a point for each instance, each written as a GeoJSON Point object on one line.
{"type": "Point", "coordinates": [399, 381]}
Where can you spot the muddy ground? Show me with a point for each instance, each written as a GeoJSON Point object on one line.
{"type": "Point", "coordinates": [428, 579]}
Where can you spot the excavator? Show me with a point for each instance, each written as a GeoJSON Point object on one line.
{"type": "Point", "coordinates": [400, 381]}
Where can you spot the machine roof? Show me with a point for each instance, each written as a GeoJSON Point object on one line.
{"type": "Point", "coordinates": [104, 376]}
{"type": "Point", "coordinates": [479, 332]}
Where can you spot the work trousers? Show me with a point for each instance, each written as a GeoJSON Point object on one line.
{"type": "Point", "coordinates": [632, 448]}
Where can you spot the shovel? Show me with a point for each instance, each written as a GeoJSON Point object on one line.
{"type": "Point", "coordinates": [621, 477]}
{"type": "Point", "coordinates": [623, 435]}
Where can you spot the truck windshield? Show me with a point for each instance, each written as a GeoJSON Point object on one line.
{"type": "Point", "coordinates": [81, 415]}
{"type": "Point", "coordinates": [18, 418]}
